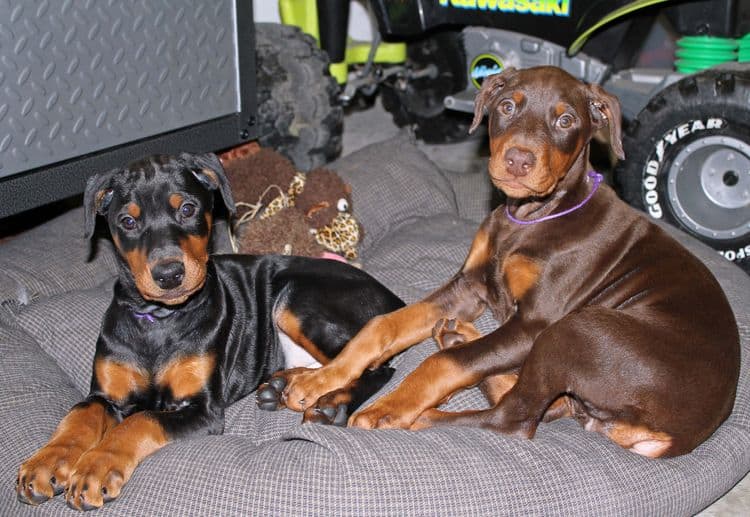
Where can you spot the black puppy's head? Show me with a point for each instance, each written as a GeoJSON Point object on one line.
{"type": "Point", "coordinates": [159, 213]}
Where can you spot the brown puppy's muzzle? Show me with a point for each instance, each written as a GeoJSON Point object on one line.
{"type": "Point", "coordinates": [518, 170]}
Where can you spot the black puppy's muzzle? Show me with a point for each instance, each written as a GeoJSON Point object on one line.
{"type": "Point", "coordinates": [168, 274]}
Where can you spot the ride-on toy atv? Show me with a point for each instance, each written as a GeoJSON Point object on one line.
{"type": "Point", "coordinates": [687, 140]}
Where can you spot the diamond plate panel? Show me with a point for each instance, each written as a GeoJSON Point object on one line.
{"type": "Point", "coordinates": [79, 76]}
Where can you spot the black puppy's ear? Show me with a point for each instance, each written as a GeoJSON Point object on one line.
{"type": "Point", "coordinates": [210, 173]}
{"type": "Point", "coordinates": [491, 86]}
{"type": "Point", "coordinates": [605, 111]}
{"type": "Point", "coordinates": [96, 199]}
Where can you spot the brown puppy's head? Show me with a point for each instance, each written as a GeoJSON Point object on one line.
{"type": "Point", "coordinates": [540, 121]}
{"type": "Point", "coordinates": [159, 213]}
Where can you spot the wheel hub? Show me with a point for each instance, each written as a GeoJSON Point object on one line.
{"type": "Point", "coordinates": [709, 186]}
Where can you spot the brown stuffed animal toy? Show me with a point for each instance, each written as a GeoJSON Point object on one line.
{"type": "Point", "coordinates": [284, 211]}
{"type": "Point", "coordinates": [286, 233]}
{"type": "Point", "coordinates": [262, 181]}
{"type": "Point", "coordinates": [326, 202]}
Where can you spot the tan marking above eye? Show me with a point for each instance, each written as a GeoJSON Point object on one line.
{"type": "Point", "coordinates": [521, 273]}
{"type": "Point", "coordinates": [119, 380]}
{"type": "Point", "coordinates": [560, 108]}
{"type": "Point", "coordinates": [175, 200]}
{"type": "Point", "coordinates": [134, 210]}
{"type": "Point", "coordinates": [186, 376]}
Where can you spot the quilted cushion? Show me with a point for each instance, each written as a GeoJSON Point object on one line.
{"type": "Point", "coordinates": [268, 464]}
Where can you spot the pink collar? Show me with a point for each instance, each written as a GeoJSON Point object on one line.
{"type": "Point", "coordinates": [597, 181]}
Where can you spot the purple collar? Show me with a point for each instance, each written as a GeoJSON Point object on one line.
{"type": "Point", "coordinates": [597, 181]}
{"type": "Point", "coordinates": [151, 313]}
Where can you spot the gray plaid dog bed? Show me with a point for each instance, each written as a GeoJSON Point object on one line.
{"type": "Point", "coordinates": [419, 223]}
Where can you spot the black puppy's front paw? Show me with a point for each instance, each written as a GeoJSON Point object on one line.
{"type": "Point", "coordinates": [269, 395]}
{"type": "Point", "coordinates": [327, 414]}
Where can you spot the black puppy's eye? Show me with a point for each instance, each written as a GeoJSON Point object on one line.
{"type": "Point", "coordinates": [187, 210]}
{"type": "Point", "coordinates": [507, 107]}
{"type": "Point", "coordinates": [128, 222]}
{"type": "Point", "coordinates": [566, 121]}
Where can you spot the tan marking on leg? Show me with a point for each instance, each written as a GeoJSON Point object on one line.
{"type": "Point", "coordinates": [560, 408]}
{"type": "Point", "coordinates": [119, 380]}
{"type": "Point", "coordinates": [521, 273]}
{"type": "Point", "coordinates": [639, 439]}
{"type": "Point", "coordinates": [110, 464]}
{"type": "Point", "coordinates": [290, 325]}
{"type": "Point", "coordinates": [430, 383]}
{"type": "Point", "coordinates": [186, 376]}
{"type": "Point", "coordinates": [495, 387]}
{"type": "Point", "coordinates": [80, 430]}
{"type": "Point", "coordinates": [479, 253]}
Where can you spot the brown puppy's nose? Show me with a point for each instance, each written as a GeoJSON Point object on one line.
{"type": "Point", "coordinates": [518, 161]}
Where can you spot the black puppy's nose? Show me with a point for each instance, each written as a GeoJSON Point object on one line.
{"type": "Point", "coordinates": [168, 274]}
{"type": "Point", "coordinates": [518, 161]}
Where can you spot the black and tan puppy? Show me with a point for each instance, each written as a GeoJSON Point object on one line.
{"type": "Point", "coordinates": [187, 334]}
{"type": "Point", "coordinates": [603, 316]}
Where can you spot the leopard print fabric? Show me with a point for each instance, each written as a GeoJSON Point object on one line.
{"type": "Point", "coordinates": [283, 201]}
{"type": "Point", "coordinates": [341, 236]}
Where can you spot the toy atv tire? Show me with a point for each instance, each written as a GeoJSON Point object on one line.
{"type": "Point", "coordinates": [688, 159]}
{"type": "Point", "coordinates": [298, 110]}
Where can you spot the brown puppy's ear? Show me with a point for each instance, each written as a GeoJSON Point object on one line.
{"type": "Point", "coordinates": [210, 173]}
{"type": "Point", "coordinates": [491, 86]}
{"type": "Point", "coordinates": [96, 199]}
{"type": "Point", "coordinates": [605, 110]}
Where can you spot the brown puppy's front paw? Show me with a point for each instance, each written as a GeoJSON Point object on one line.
{"type": "Point", "coordinates": [451, 332]}
{"type": "Point", "coordinates": [45, 474]}
{"type": "Point", "coordinates": [271, 395]}
{"type": "Point", "coordinates": [382, 415]}
{"type": "Point", "coordinates": [96, 479]}
{"type": "Point", "coordinates": [305, 388]}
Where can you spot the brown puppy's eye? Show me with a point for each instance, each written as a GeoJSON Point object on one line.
{"type": "Point", "coordinates": [128, 222]}
{"type": "Point", "coordinates": [187, 210]}
{"type": "Point", "coordinates": [507, 107]}
{"type": "Point", "coordinates": [565, 121]}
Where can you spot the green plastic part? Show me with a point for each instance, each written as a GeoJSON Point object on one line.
{"type": "Point", "coordinates": [697, 53]}
{"type": "Point", "coordinates": [580, 41]}
{"type": "Point", "coordinates": [302, 14]}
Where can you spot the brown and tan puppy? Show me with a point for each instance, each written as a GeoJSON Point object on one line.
{"type": "Point", "coordinates": [603, 317]}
